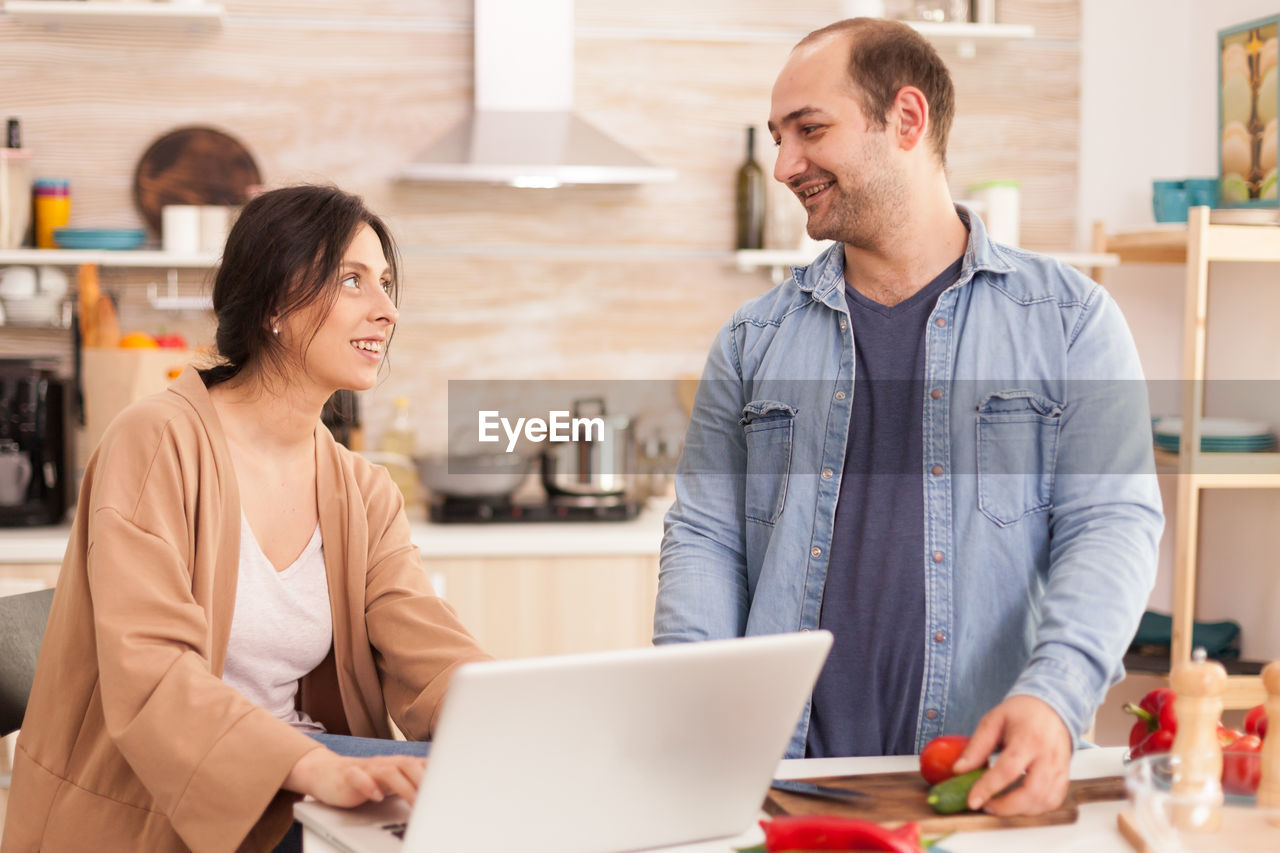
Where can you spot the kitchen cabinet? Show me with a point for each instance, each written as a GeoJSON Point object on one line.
{"type": "Point", "coordinates": [544, 605]}
{"type": "Point", "coordinates": [1196, 245]}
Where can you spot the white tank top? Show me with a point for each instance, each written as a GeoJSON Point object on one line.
{"type": "Point", "coordinates": [281, 628]}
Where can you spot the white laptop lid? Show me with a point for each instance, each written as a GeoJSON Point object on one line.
{"type": "Point", "coordinates": [612, 751]}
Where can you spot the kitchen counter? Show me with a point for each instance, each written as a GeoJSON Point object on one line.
{"type": "Point", "coordinates": [1094, 832]}
{"type": "Point", "coordinates": [641, 536]}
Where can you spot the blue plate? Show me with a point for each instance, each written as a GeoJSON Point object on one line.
{"type": "Point", "coordinates": [99, 238]}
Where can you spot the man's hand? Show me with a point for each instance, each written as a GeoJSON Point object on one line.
{"type": "Point", "coordinates": [339, 780]}
{"type": "Point", "coordinates": [1032, 738]}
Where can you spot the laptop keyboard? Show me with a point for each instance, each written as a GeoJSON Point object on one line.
{"type": "Point", "coordinates": [396, 829]}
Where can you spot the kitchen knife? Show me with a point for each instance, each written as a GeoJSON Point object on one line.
{"type": "Point", "coordinates": [810, 789]}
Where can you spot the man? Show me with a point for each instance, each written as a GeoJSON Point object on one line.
{"type": "Point", "coordinates": [935, 446]}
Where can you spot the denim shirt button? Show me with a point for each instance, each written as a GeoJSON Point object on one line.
{"type": "Point", "coordinates": [940, 637]}
{"type": "Point", "coordinates": [936, 470]}
{"type": "Point", "coordinates": [931, 714]}
{"type": "Point", "coordinates": [941, 322]}
{"type": "Point", "coordinates": [843, 324]}
{"type": "Point", "coordinates": [936, 393]}
{"type": "Point", "coordinates": [938, 556]}
{"type": "Point", "coordinates": [815, 552]}
{"type": "Point", "coordinates": [840, 395]}
{"type": "Point", "coordinates": [827, 473]}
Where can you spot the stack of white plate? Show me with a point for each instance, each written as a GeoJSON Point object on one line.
{"type": "Point", "coordinates": [1217, 435]}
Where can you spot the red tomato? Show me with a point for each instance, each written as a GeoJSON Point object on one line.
{"type": "Point", "coordinates": [939, 755]}
{"type": "Point", "coordinates": [172, 340]}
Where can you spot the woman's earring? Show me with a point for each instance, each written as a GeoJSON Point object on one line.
{"type": "Point", "coordinates": [275, 330]}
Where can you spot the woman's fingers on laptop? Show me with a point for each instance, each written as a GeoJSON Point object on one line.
{"type": "Point", "coordinates": [396, 775]}
{"type": "Point", "coordinates": [338, 780]}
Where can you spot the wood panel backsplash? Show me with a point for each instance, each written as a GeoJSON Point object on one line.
{"type": "Point", "coordinates": [585, 282]}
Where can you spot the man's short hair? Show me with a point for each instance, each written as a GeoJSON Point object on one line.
{"type": "Point", "coordinates": [886, 55]}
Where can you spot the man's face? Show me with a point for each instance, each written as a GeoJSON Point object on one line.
{"type": "Point", "coordinates": [840, 166]}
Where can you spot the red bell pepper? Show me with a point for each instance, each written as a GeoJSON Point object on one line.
{"type": "Point", "coordinates": [1156, 725]}
{"type": "Point", "coordinates": [1242, 766]}
{"type": "Point", "coordinates": [826, 832]}
{"type": "Point", "coordinates": [1255, 722]}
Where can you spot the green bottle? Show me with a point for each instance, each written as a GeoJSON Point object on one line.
{"type": "Point", "coordinates": [750, 200]}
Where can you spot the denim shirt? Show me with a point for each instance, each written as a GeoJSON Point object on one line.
{"type": "Point", "coordinates": [1042, 512]}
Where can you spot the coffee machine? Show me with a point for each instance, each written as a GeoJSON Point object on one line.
{"type": "Point", "coordinates": [35, 432]}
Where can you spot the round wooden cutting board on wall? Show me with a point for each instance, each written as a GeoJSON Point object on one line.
{"type": "Point", "coordinates": [193, 165]}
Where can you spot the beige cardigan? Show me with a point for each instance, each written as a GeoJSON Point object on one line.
{"type": "Point", "coordinates": [131, 741]}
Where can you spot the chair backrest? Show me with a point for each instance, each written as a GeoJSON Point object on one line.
{"type": "Point", "coordinates": [22, 621]}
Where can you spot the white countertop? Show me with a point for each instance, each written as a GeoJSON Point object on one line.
{"type": "Point", "coordinates": [638, 537]}
{"type": "Point", "coordinates": [1094, 832]}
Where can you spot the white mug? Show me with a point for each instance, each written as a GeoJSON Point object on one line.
{"type": "Point", "coordinates": [180, 228]}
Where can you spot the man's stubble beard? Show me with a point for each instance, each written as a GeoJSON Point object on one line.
{"type": "Point", "coordinates": [861, 215]}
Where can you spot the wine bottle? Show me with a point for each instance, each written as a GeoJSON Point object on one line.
{"type": "Point", "coordinates": [750, 201]}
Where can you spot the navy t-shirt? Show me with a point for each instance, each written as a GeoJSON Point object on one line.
{"type": "Point", "coordinates": [868, 695]}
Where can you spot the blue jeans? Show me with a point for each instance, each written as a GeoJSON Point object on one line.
{"type": "Point", "coordinates": [356, 747]}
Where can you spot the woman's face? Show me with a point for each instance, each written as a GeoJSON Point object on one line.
{"type": "Point", "coordinates": [350, 342]}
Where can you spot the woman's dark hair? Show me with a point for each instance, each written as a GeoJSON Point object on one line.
{"type": "Point", "coordinates": [283, 254]}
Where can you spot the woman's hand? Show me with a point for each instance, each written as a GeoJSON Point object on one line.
{"type": "Point", "coordinates": [338, 780]}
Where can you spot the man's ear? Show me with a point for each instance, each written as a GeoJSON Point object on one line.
{"type": "Point", "coordinates": [911, 110]}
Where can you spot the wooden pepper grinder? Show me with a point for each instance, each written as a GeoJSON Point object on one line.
{"type": "Point", "coordinates": [1199, 684]}
{"type": "Point", "coordinates": [1269, 787]}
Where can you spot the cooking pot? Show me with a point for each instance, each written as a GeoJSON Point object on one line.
{"type": "Point", "coordinates": [587, 467]}
{"type": "Point", "coordinates": [477, 475]}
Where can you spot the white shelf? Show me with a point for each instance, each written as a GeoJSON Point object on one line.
{"type": "Point", "coordinates": [106, 258]}
{"type": "Point", "coordinates": [966, 37]}
{"type": "Point", "coordinates": [58, 13]}
{"type": "Point", "coordinates": [780, 259]}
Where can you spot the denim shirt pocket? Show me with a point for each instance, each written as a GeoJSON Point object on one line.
{"type": "Point", "coordinates": [1017, 453]}
{"type": "Point", "coordinates": [767, 426]}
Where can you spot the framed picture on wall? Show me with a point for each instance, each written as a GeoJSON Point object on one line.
{"type": "Point", "coordinates": [1248, 101]}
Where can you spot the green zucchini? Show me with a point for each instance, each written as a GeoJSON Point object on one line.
{"type": "Point", "coordinates": [952, 795]}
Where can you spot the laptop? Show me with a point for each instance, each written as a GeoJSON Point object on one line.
{"type": "Point", "coordinates": [596, 752]}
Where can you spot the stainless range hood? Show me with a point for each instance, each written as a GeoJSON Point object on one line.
{"type": "Point", "coordinates": [523, 131]}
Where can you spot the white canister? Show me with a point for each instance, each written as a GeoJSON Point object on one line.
{"type": "Point", "coordinates": [180, 228]}
{"type": "Point", "coordinates": [215, 223]}
{"type": "Point", "coordinates": [1000, 200]}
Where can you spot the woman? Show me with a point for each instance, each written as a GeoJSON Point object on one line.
{"type": "Point", "coordinates": [237, 580]}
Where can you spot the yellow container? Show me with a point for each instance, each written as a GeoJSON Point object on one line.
{"type": "Point", "coordinates": [53, 210]}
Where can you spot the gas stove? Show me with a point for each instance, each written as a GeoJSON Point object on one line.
{"type": "Point", "coordinates": [452, 510]}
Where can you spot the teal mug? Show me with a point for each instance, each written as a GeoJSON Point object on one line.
{"type": "Point", "coordinates": [1169, 201]}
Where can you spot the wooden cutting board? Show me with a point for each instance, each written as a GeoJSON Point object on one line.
{"type": "Point", "coordinates": [895, 798]}
{"type": "Point", "coordinates": [193, 165]}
